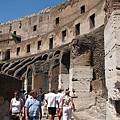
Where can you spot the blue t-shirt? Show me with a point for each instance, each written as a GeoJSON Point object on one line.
{"type": "Point", "coordinates": [33, 106]}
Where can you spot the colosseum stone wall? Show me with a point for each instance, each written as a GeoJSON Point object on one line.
{"type": "Point", "coordinates": [59, 49]}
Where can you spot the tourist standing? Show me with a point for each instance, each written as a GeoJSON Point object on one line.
{"type": "Point", "coordinates": [41, 94]}
{"type": "Point", "coordinates": [51, 99]}
{"type": "Point", "coordinates": [33, 107]}
{"type": "Point", "coordinates": [22, 95]}
{"type": "Point", "coordinates": [45, 106]}
{"type": "Point", "coordinates": [68, 106]}
{"type": "Point", "coordinates": [60, 96]}
{"type": "Point", "coordinates": [16, 105]}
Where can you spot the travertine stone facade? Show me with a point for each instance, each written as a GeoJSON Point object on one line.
{"type": "Point", "coordinates": [67, 22]}
{"type": "Point", "coordinates": [60, 49]}
{"type": "Point", "coordinates": [112, 58]}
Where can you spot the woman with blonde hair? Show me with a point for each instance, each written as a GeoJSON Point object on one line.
{"type": "Point", "coordinates": [68, 106]}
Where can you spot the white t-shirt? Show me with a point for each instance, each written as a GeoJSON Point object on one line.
{"type": "Point", "coordinates": [51, 99]}
{"type": "Point", "coordinates": [16, 105]}
{"type": "Point", "coordinates": [59, 98]}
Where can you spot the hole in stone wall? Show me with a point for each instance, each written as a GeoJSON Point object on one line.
{"type": "Point", "coordinates": [34, 27]}
{"type": "Point", "coordinates": [77, 29]}
{"type": "Point", "coordinates": [63, 35]}
{"type": "Point", "coordinates": [7, 54]}
{"type": "Point", "coordinates": [45, 57]}
{"type": "Point", "coordinates": [18, 50]}
{"type": "Point", "coordinates": [38, 58]}
{"type": "Point", "coordinates": [29, 80]}
{"type": "Point", "coordinates": [50, 43]}
{"type": "Point", "coordinates": [117, 106]}
{"type": "Point", "coordinates": [94, 75]}
{"type": "Point", "coordinates": [28, 48]}
{"type": "Point", "coordinates": [39, 44]}
{"type": "Point", "coordinates": [57, 53]}
{"type": "Point", "coordinates": [57, 20]}
{"type": "Point", "coordinates": [66, 60]}
{"type": "Point", "coordinates": [83, 9]}
{"type": "Point", "coordinates": [92, 21]}
{"type": "Point", "coordinates": [91, 59]}
{"type": "Point", "coordinates": [14, 32]}
{"type": "Point", "coordinates": [91, 88]}
{"type": "Point", "coordinates": [73, 79]}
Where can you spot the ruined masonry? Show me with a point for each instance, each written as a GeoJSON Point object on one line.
{"type": "Point", "coordinates": [56, 49]}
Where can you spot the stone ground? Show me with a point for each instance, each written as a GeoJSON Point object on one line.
{"type": "Point", "coordinates": [56, 118]}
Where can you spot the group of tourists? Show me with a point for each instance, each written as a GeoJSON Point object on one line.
{"type": "Point", "coordinates": [37, 104]}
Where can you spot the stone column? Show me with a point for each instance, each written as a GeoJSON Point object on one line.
{"type": "Point", "coordinates": [112, 57]}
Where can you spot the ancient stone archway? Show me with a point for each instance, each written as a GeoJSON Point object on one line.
{"type": "Point", "coordinates": [29, 80]}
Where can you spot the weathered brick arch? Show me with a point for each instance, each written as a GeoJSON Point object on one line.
{"type": "Point", "coordinates": [45, 57]}
{"type": "Point", "coordinates": [4, 66]}
{"type": "Point", "coordinates": [57, 53]}
{"type": "Point", "coordinates": [21, 69]}
{"type": "Point", "coordinates": [26, 77]}
{"type": "Point", "coordinates": [50, 55]}
{"type": "Point", "coordinates": [39, 57]}
{"type": "Point", "coordinates": [52, 34]}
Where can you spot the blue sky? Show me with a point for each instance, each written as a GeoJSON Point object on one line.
{"type": "Point", "coordinates": [13, 9]}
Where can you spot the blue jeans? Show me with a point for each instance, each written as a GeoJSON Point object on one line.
{"type": "Point", "coordinates": [33, 118]}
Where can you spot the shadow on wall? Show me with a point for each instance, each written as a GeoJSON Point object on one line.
{"type": "Point", "coordinates": [8, 85]}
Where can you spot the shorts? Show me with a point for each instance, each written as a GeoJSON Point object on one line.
{"type": "Point", "coordinates": [59, 112]}
{"type": "Point", "coordinates": [16, 116]}
{"type": "Point", "coordinates": [52, 110]}
{"type": "Point", "coordinates": [33, 118]}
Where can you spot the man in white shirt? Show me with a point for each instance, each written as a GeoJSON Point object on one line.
{"type": "Point", "coordinates": [51, 99]}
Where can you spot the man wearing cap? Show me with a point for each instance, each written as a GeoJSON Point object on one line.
{"type": "Point", "coordinates": [33, 107]}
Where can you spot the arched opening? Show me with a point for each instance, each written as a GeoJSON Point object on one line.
{"type": "Point", "coordinates": [38, 58]}
{"type": "Point", "coordinates": [46, 84]}
{"type": "Point", "coordinates": [29, 80]}
{"type": "Point", "coordinates": [45, 57]}
{"type": "Point", "coordinates": [57, 53]}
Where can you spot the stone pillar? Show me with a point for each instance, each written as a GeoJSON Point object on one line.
{"type": "Point", "coordinates": [112, 57]}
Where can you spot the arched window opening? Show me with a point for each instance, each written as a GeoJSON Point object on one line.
{"type": "Point", "coordinates": [38, 58]}
{"type": "Point", "coordinates": [51, 43]}
{"type": "Point", "coordinates": [57, 53]}
{"type": "Point", "coordinates": [29, 80]}
{"type": "Point", "coordinates": [21, 72]}
{"type": "Point", "coordinates": [45, 57]}
{"type": "Point", "coordinates": [7, 54]}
